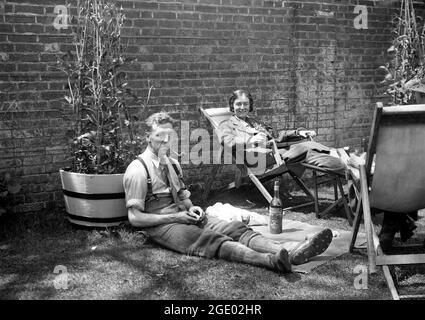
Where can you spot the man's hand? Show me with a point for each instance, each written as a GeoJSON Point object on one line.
{"type": "Point", "coordinates": [186, 218]}
{"type": "Point", "coordinates": [197, 213]}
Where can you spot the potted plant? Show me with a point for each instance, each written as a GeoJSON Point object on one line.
{"type": "Point", "coordinates": [104, 139]}
{"type": "Point", "coordinates": [406, 69]}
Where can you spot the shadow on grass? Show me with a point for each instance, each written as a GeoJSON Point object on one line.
{"type": "Point", "coordinates": [30, 250]}
{"type": "Point", "coordinates": [29, 254]}
{"type": "Point", "coordinates": [121, 264]}
{"type": "Point", "coordinates": [30, 247]}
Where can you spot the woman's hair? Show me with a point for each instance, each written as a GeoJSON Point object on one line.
{"type": "Point", "coordinates": [239, 93]}
{"type": "Point", "coordinates": [159, 118]}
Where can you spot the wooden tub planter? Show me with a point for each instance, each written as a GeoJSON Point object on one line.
{"type": "Point", "coordinates": [94, 200]}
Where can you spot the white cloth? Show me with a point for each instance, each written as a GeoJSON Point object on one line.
{"type": "Point", "coordinates": [230, 213]}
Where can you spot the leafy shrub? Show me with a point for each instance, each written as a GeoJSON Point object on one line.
{"type": "Point", "coordinates": [103, 124]}
{"type": "Point", "coordinates": [407, 50]}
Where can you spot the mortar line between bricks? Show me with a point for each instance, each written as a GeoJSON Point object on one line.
{"type": "Point", "coordinates": [275, 83]}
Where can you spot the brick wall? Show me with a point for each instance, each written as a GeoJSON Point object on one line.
{"type": "Point", "coordinates": [304, 62]}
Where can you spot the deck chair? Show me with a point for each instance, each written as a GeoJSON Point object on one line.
{"type": "Point", "coordinates": [397, 183]}
{"type": "Point", "coordinates": [215, 116]}
{"type": "Point", "coordinates": [323, 175]}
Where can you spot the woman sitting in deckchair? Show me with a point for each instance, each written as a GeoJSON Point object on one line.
{"type": "Point", "coordinates": [243, 128]}
{"type": "Point", "coordinates": [242, 132]}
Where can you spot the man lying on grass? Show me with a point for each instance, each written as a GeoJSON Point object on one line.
{"type": "Point", "coordinates": [158, 202]}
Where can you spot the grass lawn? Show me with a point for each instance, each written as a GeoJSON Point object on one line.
{"type": "Point", "coordinates": [123, 264]}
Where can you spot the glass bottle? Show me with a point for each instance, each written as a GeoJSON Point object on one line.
{"type": "Point", "coordinates": [275, 211]}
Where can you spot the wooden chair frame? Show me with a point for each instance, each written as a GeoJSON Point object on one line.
{"type": "Point", "coordinates": [242, 170]}
{"type": "Point", "coordinates": [336, 179]}
{"type": "Point", "coordinates": [376, 257]}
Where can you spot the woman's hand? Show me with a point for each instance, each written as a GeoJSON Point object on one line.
{"type": "Point", "coordinates": [307, 133]}
{"type": "Point", "coordinates": [260, 138]}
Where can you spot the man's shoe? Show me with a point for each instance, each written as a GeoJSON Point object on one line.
{"type": "Point", "coordinates": [386, 240]}
{"type": "Point", "coordinates": [406, 235]}
{"type": "Point", "coordinates": [280, 261]}
{"type": "Point", "coordinates": [406, 229]}
{"type": "Point", "coordinates": [390, 226]}
{"type": "Point", "coordinates": [311, 247]}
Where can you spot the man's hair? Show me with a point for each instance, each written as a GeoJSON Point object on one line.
{"type": "Point", "coordinates": [239, 93]}
{"type": "Point", "coordinates": [158, 118]}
